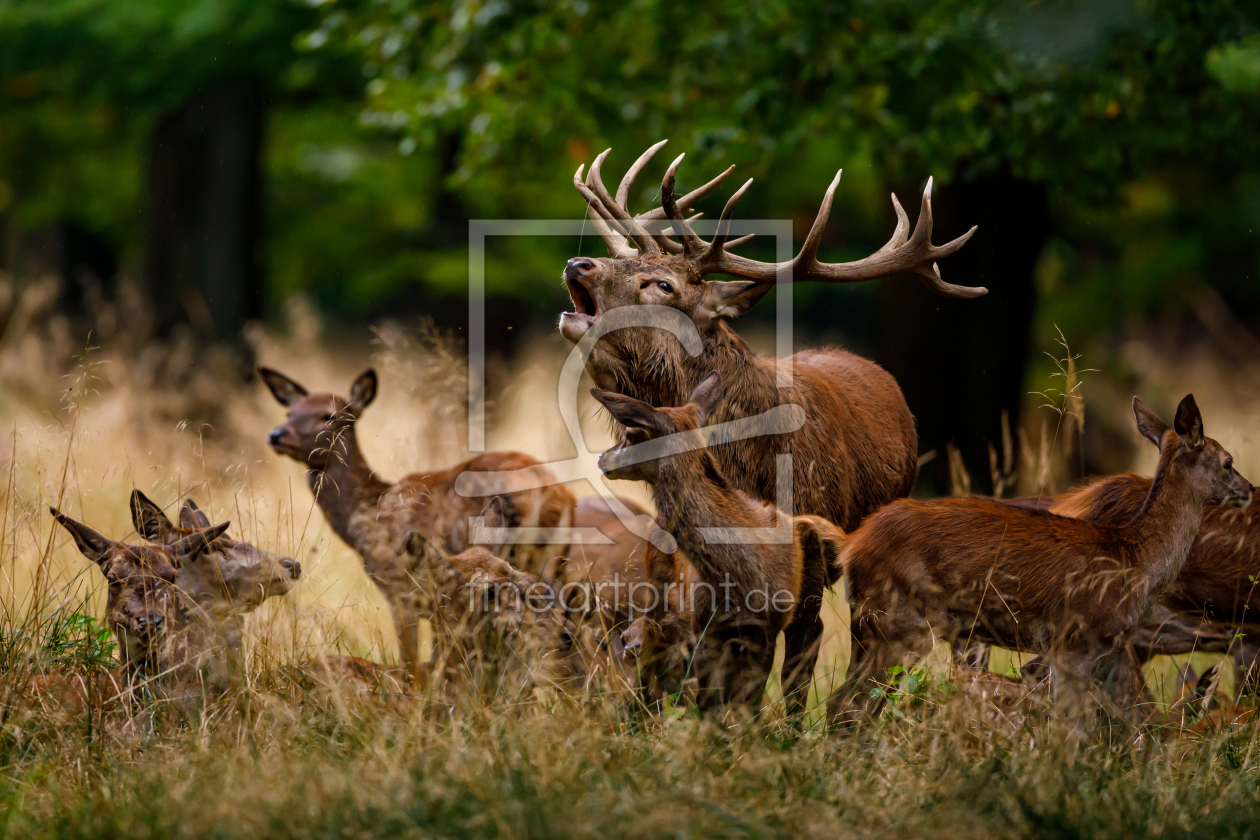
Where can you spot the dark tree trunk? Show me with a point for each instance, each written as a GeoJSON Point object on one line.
{"type": "Point", "coordinates": [961, 363]}
{"type": "Point", "coordinates": [202, 215]}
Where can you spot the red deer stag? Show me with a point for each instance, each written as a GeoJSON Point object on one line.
{"type": "Point", "coordinates": [858, 449]}
{"type": "Point", "coordinates": [1023, 579]}
{"type": "Point", "coordinates": [768, 585]}
{"type": "Point", "coordinates": [392, 526]}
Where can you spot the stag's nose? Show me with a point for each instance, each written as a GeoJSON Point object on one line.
{"type": "Point", "coordinates": [293, 567]}
{"type": "Point", "coordinates": [578, 267]}
{"type": "Point", "coordinates": [274, 437]}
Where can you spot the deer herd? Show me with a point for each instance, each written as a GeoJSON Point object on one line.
{"type": "Point", "coordinates": [1092, 582]}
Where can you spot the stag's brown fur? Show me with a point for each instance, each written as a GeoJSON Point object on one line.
{"type": "Point", "coordinates": [735, 628]}
{"type": "Point", "coordinates": [858, 448]}
{"type": "Point", "coordinates": [392, 526]}
{"type": "Point", "coordinates": [1025, 579]}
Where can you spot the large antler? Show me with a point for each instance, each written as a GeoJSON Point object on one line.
{"type": "Point", "coordinates": [905, 253]}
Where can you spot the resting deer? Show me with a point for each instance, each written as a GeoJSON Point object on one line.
{"type": "Point", "coordinates": [1028, 580]}
{"type": "Point", "coordinates": [766, 587]}
{"type": "Point", "coordinates": [1218, 581]}
{"type": "Point", "coordinates": [392, 526]}
{"type": "Point", "coordinates": [143, 606]}
{"type": "Point", "coordinates": [165, 628]}
{"type": "Point", "coordinates": [228, 579]}
{"type": "Point", "coordinates": [858, 448]}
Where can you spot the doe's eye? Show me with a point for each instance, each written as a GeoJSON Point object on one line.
{"type": "Point", "coordinates": [1229, 463]}
{"type": "Point", "coordinates": [328, 418]}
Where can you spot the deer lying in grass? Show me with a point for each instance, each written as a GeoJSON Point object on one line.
{"type": "Point", "coordinates": [858, 448]}
{"type": "Point", "coordinates": [168, 603]}
{"type": "Point", "coordinates": [1219, 580]}
{"type": "Point", "coordinates": [392, 526]}
{"type": "Point", "coordinates": [1028, 580]}
{"type": "Point", "coordinates": [767, 585]}
{"type": "Point", "coordinates": [143, 607]}
{"type": "Point", "coordinates": [229, 579]}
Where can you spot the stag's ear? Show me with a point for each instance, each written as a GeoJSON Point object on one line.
{"type": "Point", "coordinates": [1188, 424]}
{"type": "Point", "coordinates": [192, 517]}
{"type": "Point", "coordinates": [285, 390]}
{"type": "Point", "coordinates": [190, 547]}
{"type": "Point", "coordinates": [1148, 423]}
{"type": "Point", "coordinates": [94, 546]}
{"type": "Point", "coordinates": [707, 395]}
{"type": "Point", "coordinates": [632, 413]}
{"type": "Point", "coordinates": [362, 392]}
{"type": "Point", "coordinates": [150, 521]}
{"type": "Point", "coordinates": [730, 298]}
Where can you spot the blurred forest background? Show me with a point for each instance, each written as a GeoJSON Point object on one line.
{"type": "Point", "coordinates": [173, 170]}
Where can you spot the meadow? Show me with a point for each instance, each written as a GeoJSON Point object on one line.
{"type": "Point", "coordinates": [293, 749]}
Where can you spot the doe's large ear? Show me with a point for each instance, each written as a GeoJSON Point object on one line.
{"type": "Point", "coordinates": [707, 395]}
{"type": "Point", "coordinates": [192, 517]}
{"type": "Point", "coordinates": [190, 547]}
{"type": "Point", "coordinates": [1188, 424]}
{"type": "Point", "coordinates": [285, 390]}
{"type": "Point", "coordinates": [362, 392]}
{"type": "Point", "coordinates": [150, 521]}
{"type": "Point", "coordinates": [1148, 422]}
{"type": "Point", "coordinates": [94, 546]}
{"type": "Point", "coordinates": [632, 413]}
{"type": "Point", "coordinates": [731, 298]}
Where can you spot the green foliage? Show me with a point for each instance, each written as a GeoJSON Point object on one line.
{"type": "Point", "coordinates": [61, 640]}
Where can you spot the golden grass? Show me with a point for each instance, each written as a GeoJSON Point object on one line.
{"type": "Point", "coordinates": [296, 750]}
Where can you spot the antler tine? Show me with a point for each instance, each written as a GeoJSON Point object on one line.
{"type": "Point", "coordinates": [902, 254]}
{"type": "Point", "coordinates": [735, 243]}
{"type": "Point", "coordinates": [690, 242]}
{"type": "Point", "coordinates": [627, 180]}
{"type": "Point", "coordinates": [688, 200]}
{"type": "Point", "coordinates": [808, 257]}
{"type": "Point", "coordinates": [724, 221]}
{"type": "Point", "coordinates": [633, 230]}
{"type": "Point", "coordinates": [617, 245]}
{"type": "Point", "coordinates": [902, 230]}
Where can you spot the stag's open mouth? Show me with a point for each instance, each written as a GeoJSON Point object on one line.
{"type": "Point", "coordinates": [573, 325]}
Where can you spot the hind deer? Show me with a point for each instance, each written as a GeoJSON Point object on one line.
{"type": "Point", "coordinates": [1218, 581]}
{"type": "Point", "coordinates": [143, 607]}
{"type": "Point", "coordinates": [392, 526]}
{"type": "Point", "coordinates": [858, 449]}
{"type": "Point", "coordinates": [1024, 579]}
{"type": "Point", "coordinates": [228, 579]}
{"type": "Point", "coordinates": [767, 586]}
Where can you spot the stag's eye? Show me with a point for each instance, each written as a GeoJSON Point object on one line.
{"type": "Point", "coordinates": [328, 418]}
{"type": "Point", "coordinates": [665, 287]}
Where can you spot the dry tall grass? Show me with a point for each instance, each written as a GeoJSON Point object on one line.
{"type": "Point", "coordinates": [300, 750]}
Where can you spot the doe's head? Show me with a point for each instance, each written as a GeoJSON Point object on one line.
{"type": "Point", "coordinates": [660, 439]}
{"type": "Point", "coordinates": [228, 576]}
{"type": "Point", "coordinates": [1209, 466]}
{"type": "Point", "coordinates": [316, 422]}
{"type": "Point", "coordinates": [142, 599]}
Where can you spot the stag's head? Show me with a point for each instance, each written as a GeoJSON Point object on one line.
{"type": "Point", "coordinates": [1209, 467]}
{"type": "Point", "coordinates": [142, 602]}
{"type": "Point", "coordinates": [647, 266]}
{"type": "Point", "coordinates": [229, 576]}
{"type": "Point", "coordinates": [316, 422]}
{"type": "Point", "coordinates": [661, 442]}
